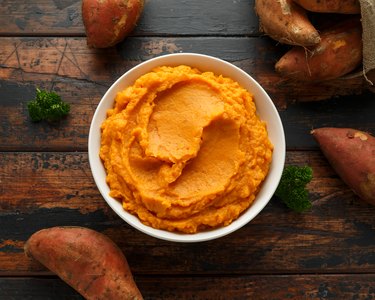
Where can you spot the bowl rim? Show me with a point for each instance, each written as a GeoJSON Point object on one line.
{"type": "Point", "coordinates": [95, 133]}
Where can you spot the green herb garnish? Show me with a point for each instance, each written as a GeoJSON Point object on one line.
{"type": "Point", "coordinates": [292, 187]}
{"type": "Point", "coordinates": [47, 106]}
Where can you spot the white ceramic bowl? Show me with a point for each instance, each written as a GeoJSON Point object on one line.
{"type": "Point", "coordinates": [266, 111]}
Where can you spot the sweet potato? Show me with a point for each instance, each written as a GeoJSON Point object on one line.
{"type": "Point", "coordinates": [108, 22]}
{"type": "Point", "coordinates": [338, 53]}
{"type": "Point", "coordinates": [85, 259]}
{"type": "Point", "coordinates": [352, 155]}
{"type": "Point", "coordinates": [331, 6]}
{"type": "Point", "coordinates": [286, 22]}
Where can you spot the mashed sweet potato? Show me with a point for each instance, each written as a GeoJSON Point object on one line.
{"type": "Point", "coordinates": [185, 150]}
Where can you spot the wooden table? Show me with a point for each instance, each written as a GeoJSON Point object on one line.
{"type": "Point", "coordinates": [45, 179]}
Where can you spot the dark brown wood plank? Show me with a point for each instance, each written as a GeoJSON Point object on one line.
{"type": "Point", "coordinates": [40, 17]}
{"type": "Point", "coordinates": [40, 190]}
{"type": "Point", "coordinates": [260, 287]}
{"type": "Point", "coordinates": [81, 76]}
{"type": "Point", "coordinates": [160, 17]}
{"type": "Point", "coordinates": [22, 59]}
{"type": "Point", "coordinates": [34, 288]}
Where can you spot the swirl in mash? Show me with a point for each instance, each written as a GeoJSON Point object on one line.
{"type": "Point", "coordinates": [185, 150]}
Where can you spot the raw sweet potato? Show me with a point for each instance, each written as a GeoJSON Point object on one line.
{"type": "Point", "coordinates": [331, 6]}
{"type": "Point", "coordinates": [338, 53]}
{"type": "Point", "coordinates": [108, 22]}
{"type": "Point", "coordinates": [352, 155]}
{"type": "Point", "coordinates": [286, 22]}
{"type": "Point", "coordinates": [85, 259]}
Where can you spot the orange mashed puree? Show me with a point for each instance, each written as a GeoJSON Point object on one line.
{"type": "Point", "coordinates": [185, 150]}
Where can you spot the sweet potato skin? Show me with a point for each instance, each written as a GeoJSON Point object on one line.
{"type": "Point", "coordinates": [108, 22]}
{"type": "Point", "coordinates": [286, 22]}
{"type": "Point", "coordinates": [331, 6]}
{"type": "Point", "coordinates": [338, 53]}
{"type": "Point", "coordinates": [351, 153]}
{"type": "Point", "coordinates": [85, 259]}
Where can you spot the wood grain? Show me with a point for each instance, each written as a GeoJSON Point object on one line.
{"type": "Point", "coordinates": [160, 17]}
{"type": "Point", "coordinates": [81, 76]}
{"type": "Point", "coordinates": [22, 59]}
{"type": "Point", "coordinates": [262, 287]}
{"type": "Point", "coordinates": [47, 189]}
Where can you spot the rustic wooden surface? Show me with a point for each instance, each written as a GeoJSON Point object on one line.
{"type": "Point", "coordinates": [45, 179]}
